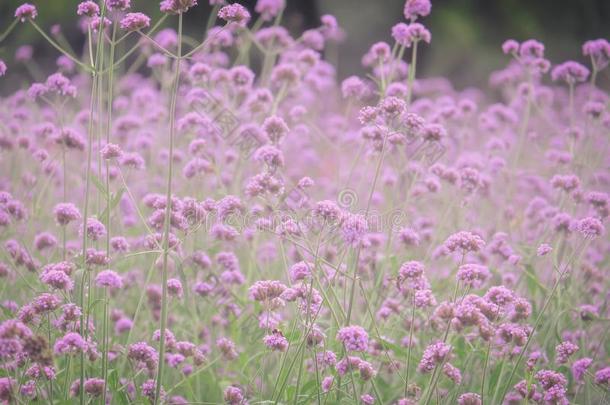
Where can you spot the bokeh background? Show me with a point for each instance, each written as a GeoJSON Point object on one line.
{"type": "Point", "coordinates": [466, 34]}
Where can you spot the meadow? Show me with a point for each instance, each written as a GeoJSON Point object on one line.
{"type": "Point", "coordinates": [222, 219]}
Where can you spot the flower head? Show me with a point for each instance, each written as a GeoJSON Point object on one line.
{"type": "Point", "coordinates": [26, 11]}
{"type": "Point", "coordinates": [570, 72]}
{"type": "Point", "coordinates": [417, 8]}
{"type": "Point", "coordinates": [88, 8]}
{"type": "Point", "coordinates": [234, 13]}
{"type": "Point", "coordinates": [109, 278]}
{"type": "Point", "coordinates": [354, 337]}
{"type": "Point", "coordinates": [135, 21]}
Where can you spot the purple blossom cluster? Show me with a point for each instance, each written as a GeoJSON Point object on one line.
{"type": "Point", "coordinates": [227, 220]}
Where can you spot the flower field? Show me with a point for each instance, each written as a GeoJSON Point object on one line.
{"type": "Point", "coordinates": [221, 218]}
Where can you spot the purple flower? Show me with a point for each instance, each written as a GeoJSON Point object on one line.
{"type": "Point", "coordinates": [401, 34]}
{"type": "Point", "coordinates": [176, 6]}
{"type": "Point", "coordinates": [276, 341]}
{"type": "Point", "coordinates": [135, 21]}
{"type": "Point", "coordinates": [599, 52]}
{"type": "Point", "coordinates": [564, 350]}
{"type": "Point", "coordinates": [227, 348]}
{"type": "Point", "coordinates": [417, 32]}
{"type": "Point", "coordinates": [268, 9]}
{"type": "Point", "coordinates": [95, 229]}
{"type": "Point", "coordinates": [118, 4]}
{"type": "Point", "coordinates": [25, 11]}
{"type": "Point", "coordinates": [353, 87]}
{"type": "Point", "coordinates": [123, 325]}
{"type": "Point", "coordinates": [424, 298]}
{"type": "Point", "coordinates": [327, 383]}
{"type": "Point", "coordinates": [590, 227]}
{"type": "Point", "coordinates": [453, 373]}
{"type": "Point", "coordinates": [435, 354]}
{"type": "Point", "coordinates": [97, 22]}
{"type": "Point", "coordinates": [463, 242]}
{"type": "Point", "coordinates": [88, 8]}
{"type": "Point", "coordinates": [45, 240]}
{"type": "Point", "coordinates": [46, 302]}
{"type": "Point", "coordinates": [543, 249]}
{"type": "Point", "coordinates": [109, 278]}
{"type": "Point", "coordinates": [473, 275]}
{"type": "Point", "coordinates": [94, 386]}
{"type": "Point", "coordinates": [469, 398]}
{"type": "Point", "coordinates": [57, 279]}
{"type": "Point", "coordinates": [570, 72]}
{"type": "Point", "coordinates": [66, 213]}
{"type": "Point", "coordinates": [266, 290]}
{"type": "Point", "coordinates": [174, 288]}
{"type": "Point", "coordinates": [602, 376]}
{"type": "Point", "coordinates": [143, 353]}
{"type": "Point", "coordinates": [367, 399]}
{"type": "Point", "coordinates": [300, 271]}
{"type": "Point", "coordinates": [580, 367]}
{"type": "Point", "coordinates": [510, 46]}
{"type": "Point", "coordinates": [70, 343]}
{"type": "Point", "coordinates": [353, 228]}
{"type": "Point", "coordinates": [416, 8]}
{"type": "Point", "coordinates": [60, 84]}
{"type": "Point", "coordinates": [234, 13]}
{"type": "Point", "coordinates": [233, 395]}
{"type": "Point", "coordinates": [149, 390]}
{"type": "Point", "coordinates": [354, 337]}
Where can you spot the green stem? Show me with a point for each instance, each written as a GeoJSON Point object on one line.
{"type": "Point", "coordinates": [9, 29]}
{"type": "Point", "coordinates": [524, 349]}
{"type": "Point", "coordinates": [168, 207]}
{"type": "Point", "coordinates": [411, 77]}
{"type": "Point", "coordinates": [60, 49]}
{"type": "Point", "coordinates": [105, 343]}
{"type": "Point", "coordinates": [485, 372]}
{"type": "Point", "coordinates": [108, 128]}
{"type": "Point", "coordinates": [366, 213]}
{"type": "Point", "coordinates": [410, 342]}
{"type": "Point", "coordinates": [85, 316]}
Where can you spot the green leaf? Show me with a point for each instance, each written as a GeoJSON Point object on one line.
{"type": "Point", "coordinates": [309, 387]}
{"type": "Point", "coordinates": [99, 185]}
{"type": "Point", "coordinates": [533, 284]}
{"type": "Point", "coordinates": [114, 201]}
{"type": "Point", "coordinates": [119, 397]}
{"type": "Point", "coordinates": [495, 376]}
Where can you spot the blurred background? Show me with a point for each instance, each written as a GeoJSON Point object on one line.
{"type": "Point", "coordinates": [466, 34]}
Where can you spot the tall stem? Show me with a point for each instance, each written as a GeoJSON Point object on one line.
{"type": "Point", "coordinates": [108, 127]}
{"type": "Point", "coordinates": [366, 214]}
{"type": "Point", "coordinates": [85, 309]}
{"type": "Point", "coordinates": [561, 272]}
{"type": "Point", "coordinates": [410, 342]}
{"type": "Point", "coordinates": [168, 207]}
{"type": "Point", "coordinates": [485, 364]}
{"type": "Point", "coordinates": [411, 77]}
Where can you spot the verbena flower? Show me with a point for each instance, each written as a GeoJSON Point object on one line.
{"type": "Point", "coordinates": [355, 338]}
{"type": "Point", "coordinates": [26, 11]}
{"type": "Point", "coordinates": [135, 21]}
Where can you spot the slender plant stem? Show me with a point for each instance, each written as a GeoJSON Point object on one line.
{"type": "Point", "coordinates": [486, 363]}
{"type": "Point", "coordinates": [410, 342]}
{"type": "Point", "coordinates": [168, 208]}
{"type": "Point", "coordinates": [60, 49]}
{"type": "Point", "coordinates": [411, 77]}
{"type": "Point", "coordinates": [84, 319]}
{"type": "Point", "coordinates": [9, 29]}
{"type": "Point", "coordinates": [108, 230]}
